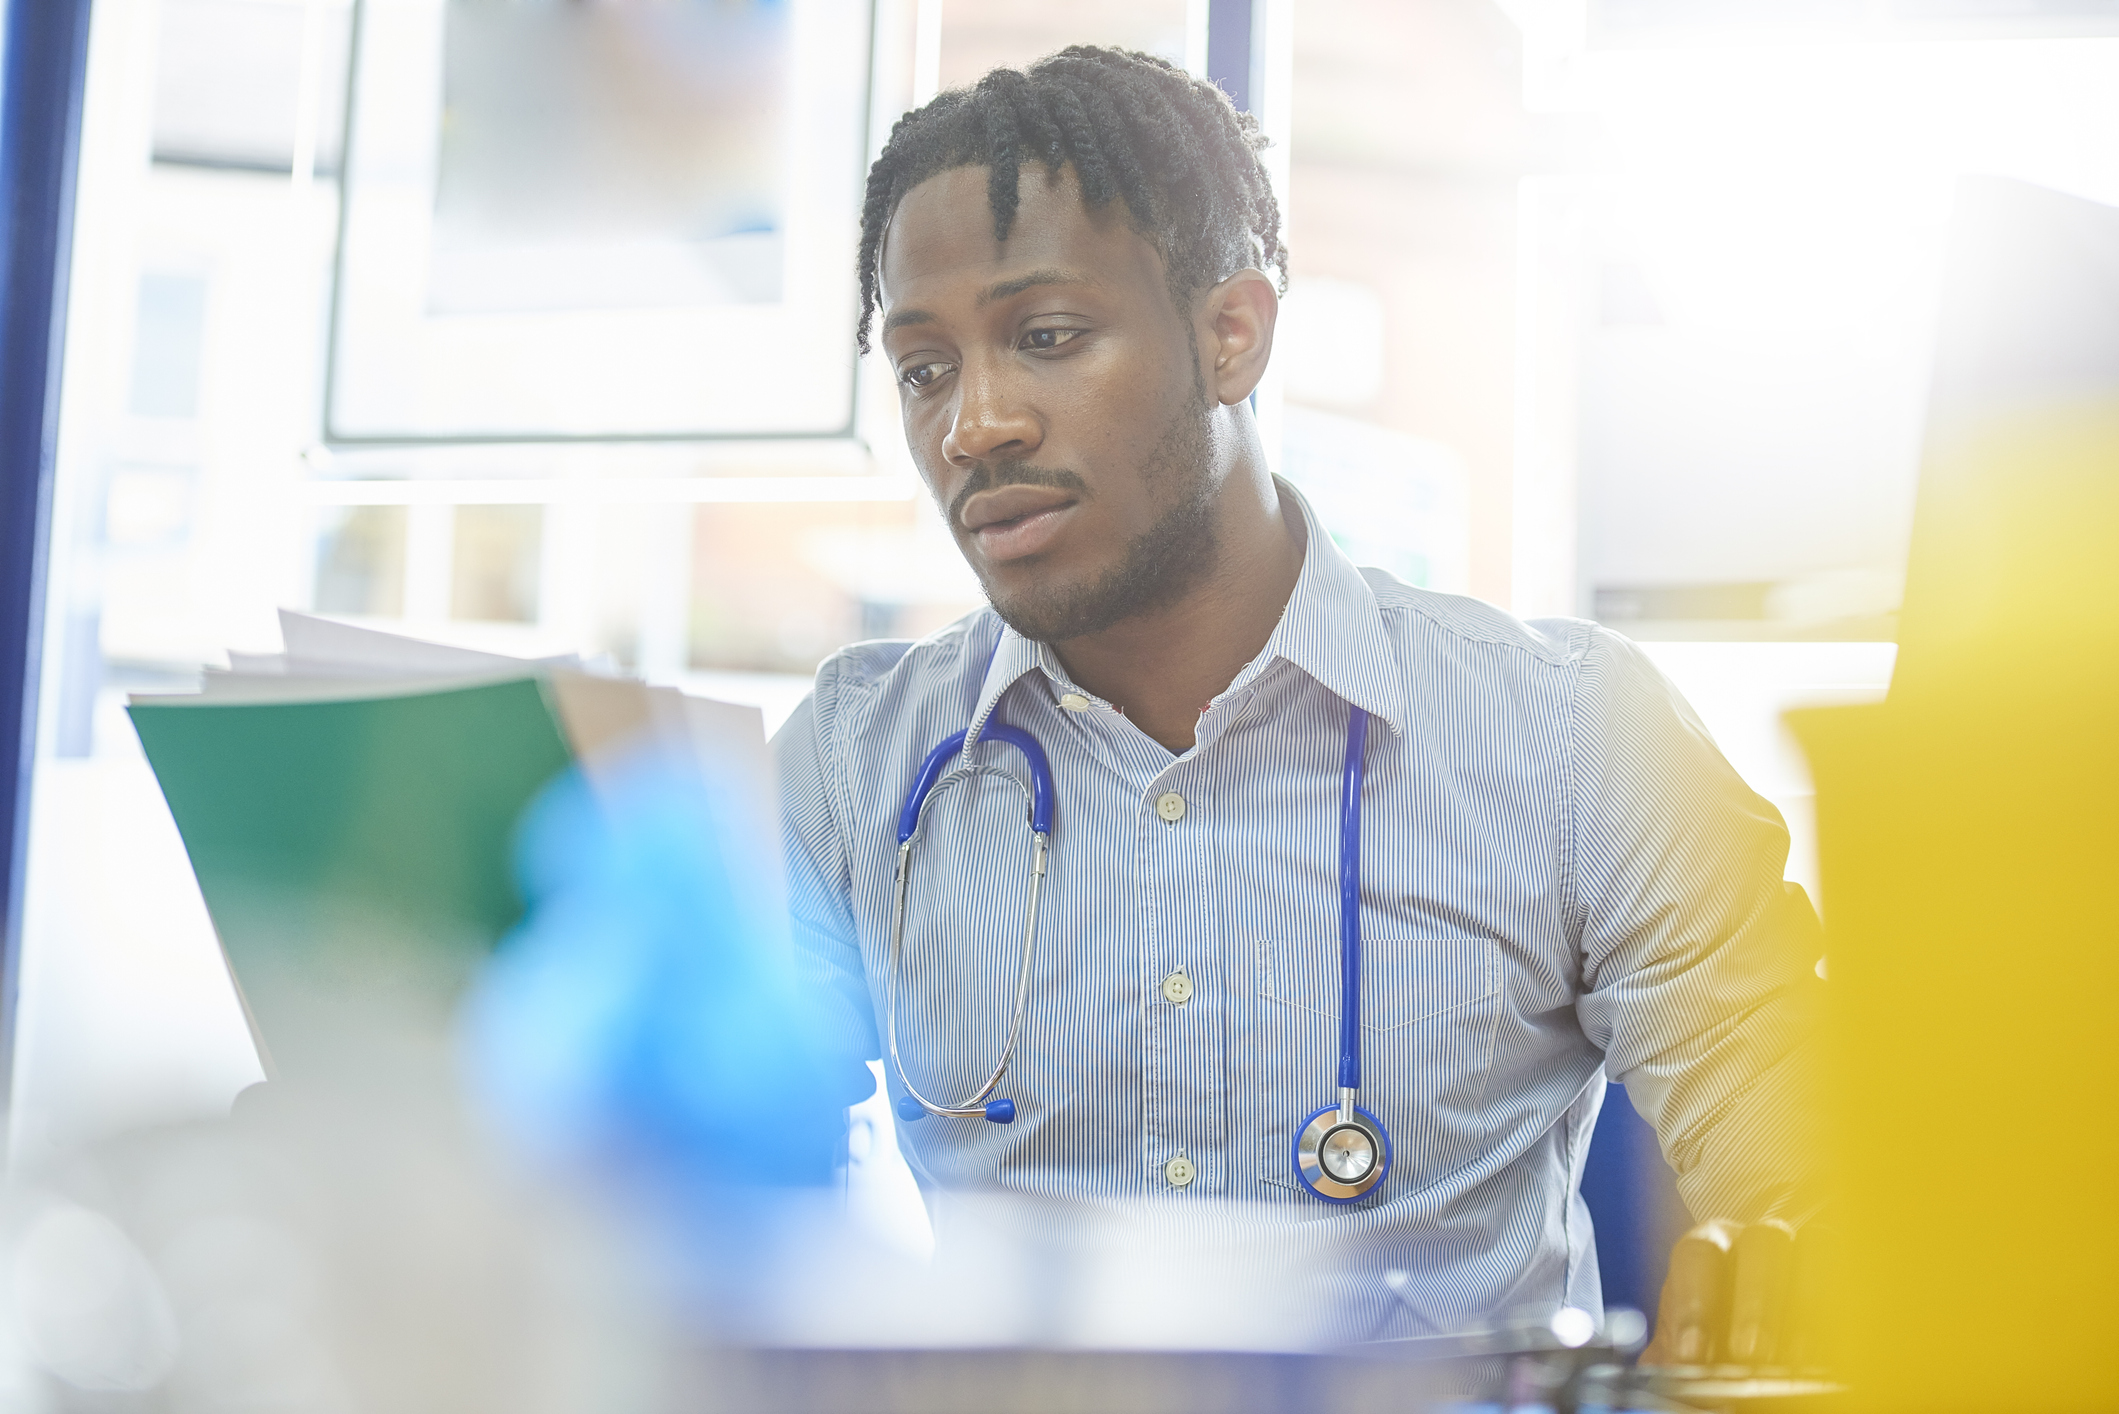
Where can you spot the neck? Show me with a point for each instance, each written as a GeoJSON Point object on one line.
{"type": "Point", "coordinates": [1162, 667]}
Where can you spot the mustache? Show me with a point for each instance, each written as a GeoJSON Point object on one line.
{"type": "Point", "coordinates": [1013, 474]}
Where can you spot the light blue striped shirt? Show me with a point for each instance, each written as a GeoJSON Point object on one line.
{"type": "Point", "coordinates": [1561, 878]}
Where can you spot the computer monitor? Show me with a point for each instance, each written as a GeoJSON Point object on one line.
{"type": "Point", "coordinates": [2014, 564]}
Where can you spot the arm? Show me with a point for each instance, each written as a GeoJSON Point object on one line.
{"type": "Point", "coordinates": [1696, 980]}
{"type": "Point", "coordinates": [819, 876]}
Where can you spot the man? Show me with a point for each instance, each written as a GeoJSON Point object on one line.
{"type": "Point", "coordinates": [1559, 875]}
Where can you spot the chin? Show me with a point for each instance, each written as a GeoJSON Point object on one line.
{"type": "Point", "coordinates": [1030, 612]}
{"type": "Point", "coordinates": [1151, 572]}
{"type": "Point", "coordinates": [1054, 613]}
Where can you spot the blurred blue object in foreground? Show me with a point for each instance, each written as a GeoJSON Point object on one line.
{"type": "Point", "coordinates": [641, 1025]}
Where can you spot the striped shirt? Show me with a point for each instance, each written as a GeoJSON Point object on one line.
{"type": "Point", "coordinates": [1561, 879]}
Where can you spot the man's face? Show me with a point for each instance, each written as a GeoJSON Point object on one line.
{"type": "Point", "coordinates": [1053, 400]}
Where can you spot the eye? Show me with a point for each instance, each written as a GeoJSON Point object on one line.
{"type": "Point", "coordinates": [1045, 340]}
{"type": "Point", "coordinates": [921, 375]}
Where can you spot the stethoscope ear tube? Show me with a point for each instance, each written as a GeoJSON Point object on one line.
{"type": "Point", "coordinates": [913, 1105]}
{"type": "Point", "coordinates": [996, 1111]}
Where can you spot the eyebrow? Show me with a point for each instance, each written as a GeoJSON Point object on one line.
{"type": "Point", "coordinates": [1020, 283]}
{"type": "Point", "coordinates": [899, 318]}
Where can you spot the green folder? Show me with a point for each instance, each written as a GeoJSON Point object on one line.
{"type": "Point", "coordinates": [355, 856]}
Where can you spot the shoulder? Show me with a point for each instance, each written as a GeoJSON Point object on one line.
{"type": "Point", "coordinates": [885, 663]}
{"type": "Point", "coordinates": [948, 663]}
{"type": "Point", "coordinates": [1425, 622]}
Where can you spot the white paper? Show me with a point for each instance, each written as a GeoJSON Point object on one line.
{"type": "Point", "coordinates": [323, 647]}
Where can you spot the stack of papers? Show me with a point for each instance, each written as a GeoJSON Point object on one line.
{"type": "Point", "coordinates": [349, 804]}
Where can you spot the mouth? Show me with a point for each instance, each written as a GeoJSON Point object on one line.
{"type": "Point", "coordinates": [1011, 522]}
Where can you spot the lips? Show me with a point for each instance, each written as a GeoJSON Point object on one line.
{"type": "Point", "coordinates": [1010, 522]}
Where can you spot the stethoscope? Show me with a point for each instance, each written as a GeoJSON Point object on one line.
{"type": "Point", "coordinates": [1342, 1151]}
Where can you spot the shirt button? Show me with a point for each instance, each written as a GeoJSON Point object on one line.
{"type": "Point", "coordinates": [1074, 702]}
{"type": "Point", "coordinates": [1179, 1171]}
{"type": "Point", "coordinates": [1171, 806]}
{"type": "Point", "coordinates": [1177, 987]}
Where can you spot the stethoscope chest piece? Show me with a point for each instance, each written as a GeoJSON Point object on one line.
{"type": "Point", "coordinates": [1342, 1156]}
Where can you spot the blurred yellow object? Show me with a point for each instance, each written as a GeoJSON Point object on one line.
{"type": "Point", "coordinates": [1969, 841]}
{"type": "Point", "coordinates": [1968, 833]}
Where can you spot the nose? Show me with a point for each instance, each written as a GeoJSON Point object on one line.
{"type": "Point", "coordinates": [992, 421]}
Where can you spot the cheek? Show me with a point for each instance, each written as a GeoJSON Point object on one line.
{"type": "Point", "coordinates": [926, 423]}
{"type": "Point", "coordinates": [1126, 412]}
{"type": "Point", "coordinates": [1101, 406]}
{"type": "Point", "coordinates": [925, 429]}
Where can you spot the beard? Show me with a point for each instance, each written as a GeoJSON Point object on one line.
{"type": "Point", "coordinates": [1159, 566]}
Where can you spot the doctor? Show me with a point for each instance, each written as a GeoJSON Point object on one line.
{"type": "Point", "coordinates": [1559, 877]}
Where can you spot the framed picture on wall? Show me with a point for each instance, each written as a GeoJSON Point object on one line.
{"type": "Point", "coordinates": [634, 219]}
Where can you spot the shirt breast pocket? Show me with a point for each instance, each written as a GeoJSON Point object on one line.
{"type": "Point", "coordinates": [1430, 1008]}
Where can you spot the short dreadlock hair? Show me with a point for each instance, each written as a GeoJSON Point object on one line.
{"type": "Point", "coordinates": [1133, 127]}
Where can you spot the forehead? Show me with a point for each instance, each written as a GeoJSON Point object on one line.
{"type": "Point", "coordinates": [941, 236]}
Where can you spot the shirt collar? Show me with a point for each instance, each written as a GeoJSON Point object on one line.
{"type": "Point", "coordinates": [1008, 659]}
{"type": "Point", "coordinates": [1332, 629]}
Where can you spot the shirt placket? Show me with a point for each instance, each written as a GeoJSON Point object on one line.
{"type": "Point", "coordinates": [1179, 970]}
{"type": "Point", "coordinates": [1184, 976]}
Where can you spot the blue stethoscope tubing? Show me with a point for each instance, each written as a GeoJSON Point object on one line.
{"type": "Point", "coordinates": [1317, 1130]}
{"type": "Point", "coordinates": [1343, 1122]}
{"type": "Point", "coordinates": [925, 791]}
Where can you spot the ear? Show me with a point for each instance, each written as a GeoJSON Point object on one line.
{"type": "Point", "coordinates": [1235, 334]}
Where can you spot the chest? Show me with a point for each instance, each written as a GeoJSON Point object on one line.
{"type": "Point", "coordinates": [1214, 852]}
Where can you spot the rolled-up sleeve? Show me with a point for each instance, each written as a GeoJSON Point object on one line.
{"type": "Point", "coordinates": [819, 873]}
{"type": "Point", "coordinates": [1696, 957]}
